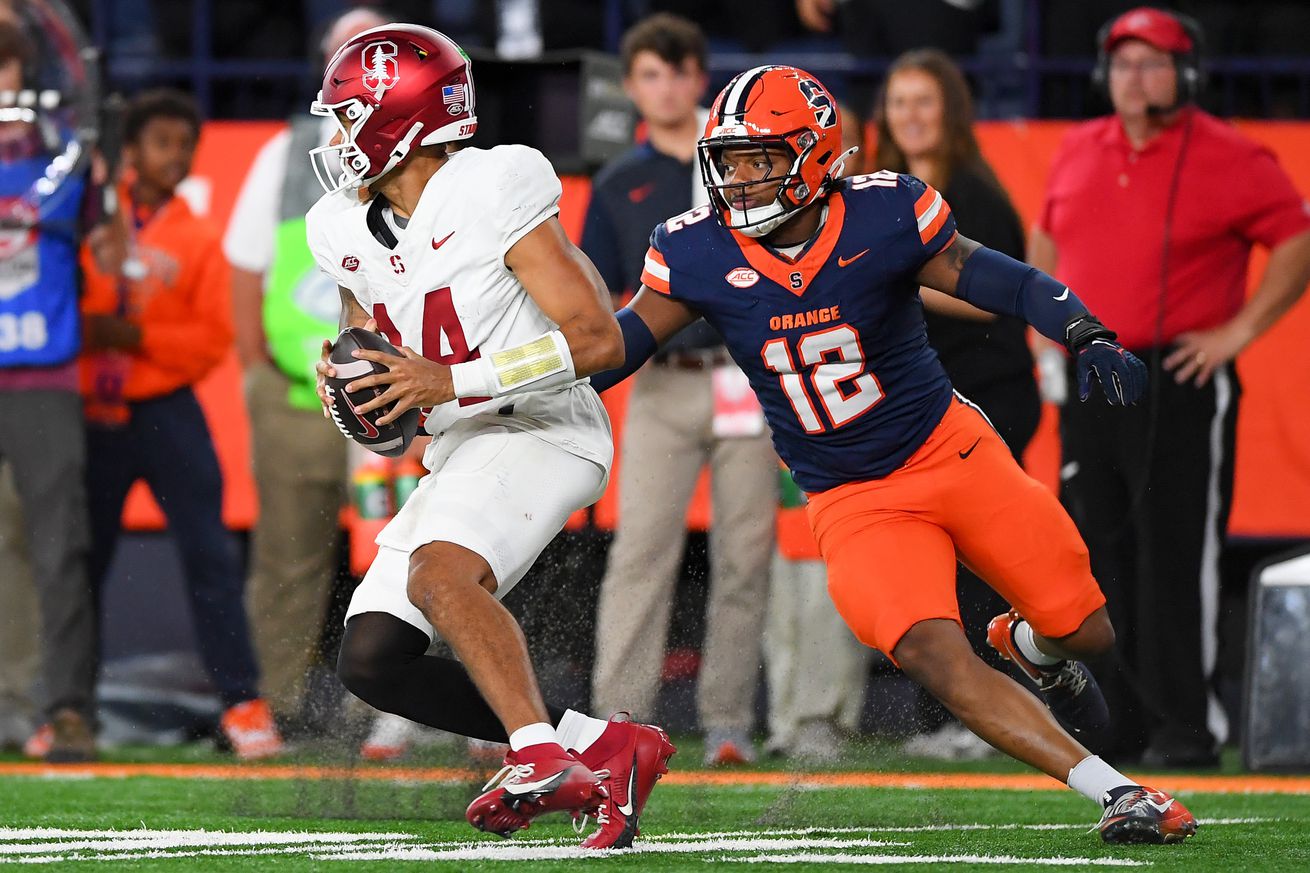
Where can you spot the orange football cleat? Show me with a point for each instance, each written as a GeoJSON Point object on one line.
{"type": "Point", "coordinates": [250, 728]}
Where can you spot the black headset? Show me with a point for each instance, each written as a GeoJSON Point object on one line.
{"type": "Point", "coordinates": [1188, 64]}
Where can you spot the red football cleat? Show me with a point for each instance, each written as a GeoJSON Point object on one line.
{"type": "Point", "coordinates": [632, 758]}
{"type": "Point", "coordinates": [1144, 815]}
{"type": "Point", "coordinates": [535, 780]}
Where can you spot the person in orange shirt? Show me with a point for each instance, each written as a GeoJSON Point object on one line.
{"type": "Point", "coordinates": [149, 336]}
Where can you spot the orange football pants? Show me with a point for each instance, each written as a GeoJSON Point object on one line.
{"type": "Point", "coordinates": [891, 544]}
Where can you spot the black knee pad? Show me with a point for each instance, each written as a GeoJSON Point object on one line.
{"type": "Point", "coordinates": [376, 648]}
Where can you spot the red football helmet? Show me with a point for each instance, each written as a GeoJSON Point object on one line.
{"type": "Point", "coordinates": [389, 89]}
{"type": "Point", "coordinates": [773, 107]}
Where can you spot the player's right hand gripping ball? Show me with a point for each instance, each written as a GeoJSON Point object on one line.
{"type": "Point", "coordinates": [389, 440]}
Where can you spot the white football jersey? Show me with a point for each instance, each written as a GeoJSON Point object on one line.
{"type": "Point", "coordinates": [443, 289]}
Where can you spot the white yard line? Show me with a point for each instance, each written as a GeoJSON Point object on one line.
{"type": "Point", "coordinates": [301, 850]}
{"type": "Point", "coordinates": [815, 858]}
{"type": "Point", "coordinates": [908, 829]}
{"type": "Point", "coordinates": [511, 852]}
{"type": "Point", "coordinates": [198, 837]}
{"type": "Point", "coordinates": [775, 846]}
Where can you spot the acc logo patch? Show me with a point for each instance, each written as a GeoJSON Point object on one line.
{"type": "Point", "coordinates": [380, 70]}
{"type": "Point", "coordinates": [350, 262]}
{"type": "Point", "coordinates": [742, 277]}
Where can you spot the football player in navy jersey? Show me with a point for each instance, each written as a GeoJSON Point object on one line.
{"type": "Point", "coordinates": [813, 282]}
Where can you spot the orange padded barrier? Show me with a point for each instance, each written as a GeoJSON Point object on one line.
{"type": "Point", "coordinates": [1273, 464]}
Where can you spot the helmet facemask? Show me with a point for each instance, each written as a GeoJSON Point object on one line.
{"type": "Point", "coordinates": [342, 165]}
{"type": "Point", "coordinates": [793, 193]}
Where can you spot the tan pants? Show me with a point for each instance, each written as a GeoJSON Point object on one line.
{"type": "Point", "coordinates": [816, 667]}
{"type": "Point", "coordinates": [668, 438]}
{"type": "Point", "coordinates": [20, 654]}
{"type": "Point", "coordinates": [300, 476]}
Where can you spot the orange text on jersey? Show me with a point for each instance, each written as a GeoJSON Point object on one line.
{"type": "Point", "coordinates": [805, 319]}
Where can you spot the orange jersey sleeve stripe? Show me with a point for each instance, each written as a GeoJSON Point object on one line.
{"type": "Point", "coordinates": [925, 200]}
{"type": "Point", "coordinates": [655, 272]}
{"type": "Point", "coordinates": [655, 283]}
{"type": "Point", "coordinates": [934, 222]}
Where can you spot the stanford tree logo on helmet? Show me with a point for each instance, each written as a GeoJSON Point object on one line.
{"type": "Point", "coordinates": [379, 61]}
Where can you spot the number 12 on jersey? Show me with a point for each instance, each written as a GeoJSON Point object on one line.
{"type": "Point", "coordinates": [835, 363]}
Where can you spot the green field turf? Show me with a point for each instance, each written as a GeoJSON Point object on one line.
{"type": "Point", "coordinates": [301, 825]}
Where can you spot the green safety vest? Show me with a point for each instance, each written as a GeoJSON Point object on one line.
{"type": "Point", "coordinates": [301, 304]}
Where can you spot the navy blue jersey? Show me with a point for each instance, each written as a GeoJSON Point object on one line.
{"type": "Point", "coordinates": [833, 341]}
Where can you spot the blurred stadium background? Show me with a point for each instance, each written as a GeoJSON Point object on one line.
{"type": "Point", "coordinates": [252, 64]}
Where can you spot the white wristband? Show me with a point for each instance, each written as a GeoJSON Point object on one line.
{"type": "Point", "coordinates": [544, 362]}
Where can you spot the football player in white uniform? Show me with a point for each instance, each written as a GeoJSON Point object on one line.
{"type": "Point", "coordinates": [459, 259]}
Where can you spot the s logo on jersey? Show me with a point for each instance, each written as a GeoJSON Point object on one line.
{"type": "Point", "coordinates": [380, 71]}
{"type": "Point", "coordinates": [742, 277]}
{"type": "Point", "coordinates": [350, 262]}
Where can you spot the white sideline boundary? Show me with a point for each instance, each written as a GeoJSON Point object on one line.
{"type": "Point", "coordinates": [839, 845]}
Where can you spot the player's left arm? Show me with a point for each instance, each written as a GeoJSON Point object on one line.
{"type": "Point", "coordinates": [998, 283]}
{"type": "Point", "coordinates": [569, 291]}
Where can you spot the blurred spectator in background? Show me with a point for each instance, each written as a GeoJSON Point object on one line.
{"type": "Point", "coordinates": [513, 29]}
{"type": "Point", "coordinates": [283, 307]}
{"type": "Point", "coordinates": [41, 414]}
{"type": "Point", "coordinates": [1151, 214]}
{"type": "Point", "coordinates": [739, 25]}
{"type": "Point", "coordinates": [1068, 30]}
{"type": "Point", "coordinates": [19, 623]}
{"type": "Point", "coordinates": [925, 128]}
{"type": "Point", "coordinates": [150, 336]}
{"type": "Point", "coordinates": [804, 636]}
{"type": "Point", "coordinates": [690, 407]}
{"type": "Point", "coordinates": [888, 28]}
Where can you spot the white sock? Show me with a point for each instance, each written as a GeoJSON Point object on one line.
{"type": "Point", "coordinates": [532, 735]}
{"type": "Point", "coordinates": [1094, 779]}
{"type": "Point", "coordinates": [578, 731]}
{"type": "Point", "coordinates": [1023, 638]}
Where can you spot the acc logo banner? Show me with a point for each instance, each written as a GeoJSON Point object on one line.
{"type": "Point", "coordinates": [380, 70]}
{"type": "Point", "coordinates": [742, 277]}
{"type": "Point", "coordinates": [350, 262]}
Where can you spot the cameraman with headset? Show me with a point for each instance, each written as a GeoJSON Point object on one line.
{"type": "Point", "coordinates": [1151, 213]}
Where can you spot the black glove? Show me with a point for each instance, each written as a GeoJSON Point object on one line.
{"type": "Point", "coordinates": [1092, 344]}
